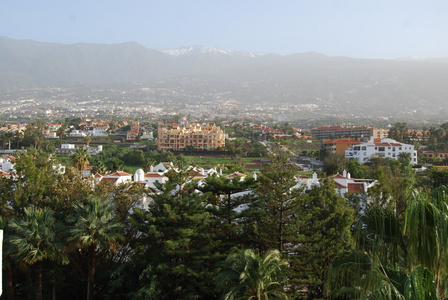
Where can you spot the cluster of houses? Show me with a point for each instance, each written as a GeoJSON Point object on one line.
{"type": "Point", "coordinates": [94, 128]}
{"type": "Point", "coordinates": [69, 149]}
{"type": "Point", "coordinates": [344, 183]}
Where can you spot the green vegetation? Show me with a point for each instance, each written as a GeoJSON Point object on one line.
{"type": "Point", "coordinates": [222, 238]}
{"type": "Point", "coordinates": [246, 275]}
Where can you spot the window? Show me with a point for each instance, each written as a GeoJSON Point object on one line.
{"type": "Point", "coordinates": [381, 149]}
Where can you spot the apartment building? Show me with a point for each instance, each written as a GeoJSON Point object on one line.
{"type": "Point", "coordinates": [330, 132]}
{"type": "Point", "coordinates": [384, 148]}
{"type": "Point", "coordinates": [199, 136]}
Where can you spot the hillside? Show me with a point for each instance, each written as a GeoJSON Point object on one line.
{"type": "Point", "coordinates": [348, 83]}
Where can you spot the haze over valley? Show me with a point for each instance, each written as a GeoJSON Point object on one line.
{"type": "Point", "coordinates": [303, 85]}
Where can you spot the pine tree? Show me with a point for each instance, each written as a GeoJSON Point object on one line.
{"type": "Point", "coordinates": [272, 221]}
{"type": "Point", "coordinates": [324, 234]}
{"type": "Point", "coordinates": [175, 244]}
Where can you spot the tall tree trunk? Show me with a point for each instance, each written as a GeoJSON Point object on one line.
{"type": "Point", "coordinates": [91, 275]}
{"type": "Point", "coordinates": [9, 286]}
{"type": "Point", "coordinates": [53, 292]}
{"type": "Point", "coordinates": [280, 229]}
{"type": "Point", "coordinates": [39, 280]}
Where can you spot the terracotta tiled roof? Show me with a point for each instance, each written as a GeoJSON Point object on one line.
{"type": "Point", "coordinates": [4, 174]}
{"type": "Point", "coordinates": [339, 176]}
{"type": "Point", "coordinates": [154, 175]}
{"type": "Point", "coordinates": [119, 174]}
{"type": "Point", "coordinates": [111, 180]}
{"type": "Point", "coordinates": [342, 141]}
{"type": "Point", "coordinates": [356, 187]}
{"type": "Point", "coordinates": [237, 174]}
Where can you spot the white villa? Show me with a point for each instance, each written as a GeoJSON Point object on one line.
{"type": "Point", "coordinates": [384, 148]}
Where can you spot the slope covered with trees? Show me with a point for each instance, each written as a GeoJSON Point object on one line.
{"type": "Point", "coordinates": [220, 238]}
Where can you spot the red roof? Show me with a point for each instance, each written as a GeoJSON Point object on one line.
{"type": "Point", "coordinates": [340, 127]}
{"type": "Point", "coordinates": [356, 187]}
{"type": "Point", "coordinates": [237, 174]}
{"type": "Point", "coordinates": [339, 176]}
{"type": "Point", "coordinates": [111, 180]}
{"type": "Point", "coordinates": [154, 175]}
{"type": "Point", "coordinates": [3, 173]}
{"type": "Point", "coordinates": [342, 141]}
{"type": "Point", "coordinates": [119, 174]}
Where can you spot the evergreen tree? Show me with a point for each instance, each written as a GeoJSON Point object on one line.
{"type": "Point", "coordinates": [272, 220]}
{"type": "Point", "coordinates": [400, 132]}
{"type": "Point", "coordinates": [324, 233]}
{"type": "Point", "coordinates": [175, 244]}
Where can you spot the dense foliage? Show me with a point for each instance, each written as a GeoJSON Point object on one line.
{"type": "Point", "coordinates": [72, 238]}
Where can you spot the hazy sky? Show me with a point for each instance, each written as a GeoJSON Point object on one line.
{"type": "Point", "coordinates": [357, 28]}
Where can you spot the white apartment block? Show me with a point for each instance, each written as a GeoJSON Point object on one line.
{"type": "Point", "coordinates": [384, 148]}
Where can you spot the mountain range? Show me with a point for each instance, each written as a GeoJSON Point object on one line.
{"type": "Point", "coordinates": [365, 84]}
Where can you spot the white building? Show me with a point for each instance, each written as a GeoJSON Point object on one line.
{"type": "Point", "coordinates": [384, 148]}
{"type": "Point", "coordinates": [6, 164]}
{"type": "Point", "coordinates": [78, 133]}
{"type": "Point", "coordinates": [147, 135]}
{"type": "Point", "coordinates": [98, 132]}
{"type": "Point", "coordinates": [115, 178]}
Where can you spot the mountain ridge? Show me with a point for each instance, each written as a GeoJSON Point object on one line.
{"type": "Point", "coordinates": [355, 83]}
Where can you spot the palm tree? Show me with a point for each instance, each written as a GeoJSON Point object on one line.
{"type": "Point", "coordinates": [94, 228]}
{"type": "Point", "coordinates": [427, 226]}
{"type": "Point", "coordinates": [246, 275]}
{"type": "Point", "coordinates": [7, 258]}
{"type": "Point", "coordinates": [37, 239]}
{"type": "Point", "coordinates": [61, 132]}
{"type": "Point", "coordinates": [80, 159]}
{"type": "Point", "coordinates": [100, 168]}
{"type": "Point", "coordinates": [397, 258]}
{"type": "Point", "coordinates": [87, 140]}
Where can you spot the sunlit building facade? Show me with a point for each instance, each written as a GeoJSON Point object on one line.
{"type": "Point", "coordinates": [198, 136]}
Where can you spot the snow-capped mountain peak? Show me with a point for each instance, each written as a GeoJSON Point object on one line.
{"type": "Point", "coordinates": [189, 50]}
